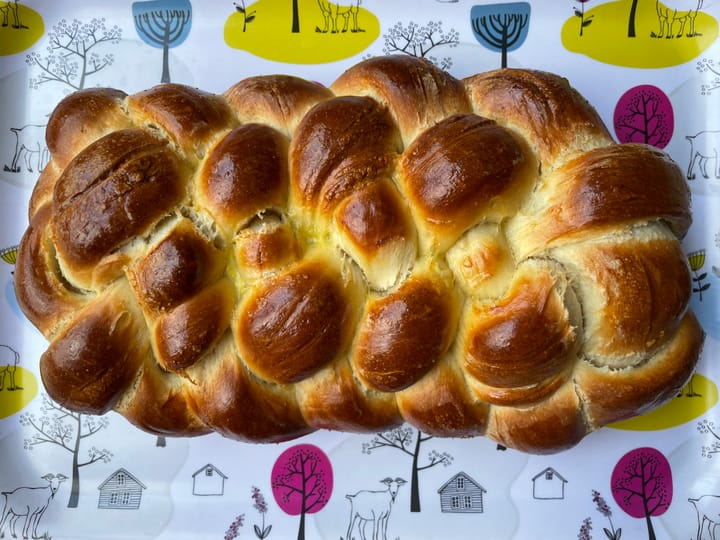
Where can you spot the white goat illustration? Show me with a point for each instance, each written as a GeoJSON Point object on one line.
{"type": "Point", "coordinates": [680, 12]}
{"type": "Point", "coordinates": [704, 146]}
{"type": "Point", "coordinates": [30, 502]}
{"type": "Point", "coordinates": [345, 8]}
{"type": "Point", "coordinates": [708, 510]}
{"type": "Point", "coordinates": [9, 367]}
{"type": "Point", "coordinates": [29, 143]}
{"type": "Point", "coordinates": [373, 506]}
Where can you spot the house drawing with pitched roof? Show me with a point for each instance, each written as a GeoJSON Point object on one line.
{"type": "Point", "coordinates": [461, 494]}
{"type": "Point", "coordinates": [548, 484]}
{"type": "Point", "coordinates": [121, 490]}
{"type": "Point", "coordinates": [208, 480]}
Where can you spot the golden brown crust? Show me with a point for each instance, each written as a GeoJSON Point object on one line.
{"type": "Point", "coordinates": [472, 257]}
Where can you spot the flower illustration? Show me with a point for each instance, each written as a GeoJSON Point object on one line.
{"type": "Point", "coordinates": [585, 529]}
{"type": "Point", "coordinates": [580, 13]}
{"type": "Point", "coordinates": [261, 506]}
{"type": "Point", "coordinates": [234, 528]}
{"type": "Point", "coordinates": [604, 509]}
{"type": "Point", "coordinates": [696, 259]}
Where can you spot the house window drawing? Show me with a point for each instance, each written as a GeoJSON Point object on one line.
{"type": "Point", "coordinates": [548, 484]}
{"type": "Point", "coordinates": [461, 494]}
{"type": "Point", "coordinates": [208, 480]}
{"type": "Point", "coordinates": [121, 490]}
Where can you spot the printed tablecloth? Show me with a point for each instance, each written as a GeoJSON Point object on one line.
{"type": "Point", "coordinates": [650, 67]}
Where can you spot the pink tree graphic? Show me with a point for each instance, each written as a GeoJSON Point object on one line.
{"type": "Point", "coordinates": [302, 481]}
{"type": "Point", "coordinates": [642, 485]}
{"type": "Point", "coordinates": [644, 114]}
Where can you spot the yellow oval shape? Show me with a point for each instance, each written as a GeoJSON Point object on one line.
{"type": "Point", "coordinates": [659, 41]}
{"type": "Point", "coordinates": [24, 27]}
{"type": "Point", "coordinates": [325, 31]}
{"type": "Point", "coordinates": [16, 391]}
{"type": "Point", "coordinates": [696, 398]}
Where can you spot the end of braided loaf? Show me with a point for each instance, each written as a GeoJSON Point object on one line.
{"type": "Point", "coordinates": [474, 257]}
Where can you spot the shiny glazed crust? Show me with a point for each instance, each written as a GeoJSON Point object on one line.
{"type": "Point", "coordinates": [473, 257]}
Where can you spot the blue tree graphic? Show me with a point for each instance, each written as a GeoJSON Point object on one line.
{"type": "Point", "coordinates": [501, 27]}
{"type": "Point", "coordinates": [163, 24]}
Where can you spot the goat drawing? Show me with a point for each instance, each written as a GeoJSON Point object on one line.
{"type": "Point", "coordinates": [704, 146]}
{"type": "Point", "coordinates": [9, 367]}
{"type": "Point", "coordinates": [11, 7]}
{"type": "Point", "coordinates": [29, 144]}
{"type": "Point", "coordinates": [373, 506]}
{"type": "Point", "coordinates": [708, 510]}
{"type": "Point", "coordinates": [346, 9]}
{"type": "Point", "coordinates": [30, 502]}
{"type": "Point", "coordinates": [681, 14]}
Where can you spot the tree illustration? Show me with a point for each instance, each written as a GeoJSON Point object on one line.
{"type": "Point", "coordinates": [163, 24]}
{"type": "Point", "coordinates": [409, 441]}
{"type": "Point", "coordinates": [641, 484]}
{"type": "Point", "coordinates": [72, 53]}
{"type": "Point", "coordinates": [418, 41]}
{"type": "Point", "coordinates": [707, 65]}
{"type": "Point", "coordinates": [501, 27]}
{"type": "Point", "coordinates": [708, 426]}
{"type": "Point", "coordinates": [644, 114]}
{"type": "Point", "coordinates": [631, 18]}
{"type": "Point", "coordinates": [295, 17]}
{"type": "Point", "coordinates": [67, 430]}
{"type": "Point", "coordinates": [302, 482]}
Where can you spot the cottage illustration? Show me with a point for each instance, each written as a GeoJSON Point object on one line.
{"type": "Point", "coordinates": [121, 490]}
{"type": "Point", "coordinates": [208, 480]}
{"type": "Point", "coordinates": [548, 484]}
{"type": "Point", "coordinates": [461, 494]}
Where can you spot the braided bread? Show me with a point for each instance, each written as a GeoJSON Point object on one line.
{"type": "Point", "coordinates": [472, 257]}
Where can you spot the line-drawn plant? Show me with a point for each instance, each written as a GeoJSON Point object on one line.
{"type": "Point", "coordinates": [409, 441]}
{"type": "Point", "coordinates": [585, 528]}
{"type": "Point", "coordinates": [501, 27]}
{"type": "Point", "coordinates": [418, 41]}
{"type": "Point", "coordinates": [602, 506]}
{"type": "Point", "coordinates": [248, 16]}
{"type": "Point", "coordinates": [261, 506]}
{"type": "Point", "coordinates": [67, 430]}
{"type": "Point", "coordinates": [697, 261]}
{"type": "Point", "coordinates": [233, 530]}
{"type": "Point", "coordinates": [580, 13]}
{"type": "Point", "coordinates": [163, 24]}
{"type": "Point", "coordinates": [72, 55]}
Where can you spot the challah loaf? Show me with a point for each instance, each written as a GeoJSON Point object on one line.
{"type": "Point", "coordinates": [473, 257]}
